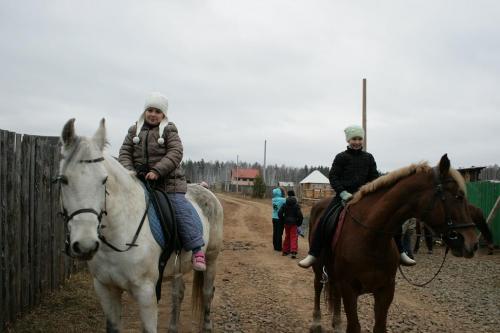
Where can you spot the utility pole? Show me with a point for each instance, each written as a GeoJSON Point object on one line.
{"type": "Point", "coordinates": [237, 175]}
{"type": "Point", "coordinates": [364, 115]}
{"type": "Point", "coordinates": [264, 169]}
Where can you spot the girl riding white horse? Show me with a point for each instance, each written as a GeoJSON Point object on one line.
{"type": "Point", "coordinates": [101, 199]}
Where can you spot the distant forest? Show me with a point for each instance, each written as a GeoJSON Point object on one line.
{"type": "Point", "coordinates": [220, 172]}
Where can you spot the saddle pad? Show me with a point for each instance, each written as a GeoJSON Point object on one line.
{"type": "Point", "coordinates": [338, 229]}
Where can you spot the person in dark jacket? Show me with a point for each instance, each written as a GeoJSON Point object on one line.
{"type": "Point", "coordinates": [153, 150]}
{"type": "Point", "coordinates": [350, 170]}
{"type": "Point", "coordinates": [291, 216]}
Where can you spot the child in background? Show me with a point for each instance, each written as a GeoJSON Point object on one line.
{"type": "Point", "coordinates": [291, 216]}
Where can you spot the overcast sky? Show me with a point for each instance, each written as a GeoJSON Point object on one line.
{"type": "Point", "coordinates": [239, 72]}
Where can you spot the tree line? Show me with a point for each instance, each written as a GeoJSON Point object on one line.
{"type": "Point", "coordinates": [220, 172]}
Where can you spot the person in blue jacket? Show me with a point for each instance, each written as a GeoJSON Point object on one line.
{"type": "Point", "coordinates": [277, 201]}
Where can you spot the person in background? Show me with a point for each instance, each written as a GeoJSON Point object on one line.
{"type": "Point", "coordinates": [427, 237]}
{"type": "Point", "coordinates": [291, 216]}
{"type": "Point", "coordinates": [278, 201]}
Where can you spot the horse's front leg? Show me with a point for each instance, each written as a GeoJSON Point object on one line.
{"type": "Point", "coordinates": [383, 299]}
{"type": "Point", "coordinates": [110, 299]}
{"type": "Point", "coordinates": [350, 299]}
{"type": "Point", "coordinates": [178, 288]}
{"type": "Point", "coordinates": [318, 287]}
{"type": "Point", "coordinates": [145, 296]}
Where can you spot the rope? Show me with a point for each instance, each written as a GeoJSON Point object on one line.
{"type": "Point", "coordinates": [432, 279]}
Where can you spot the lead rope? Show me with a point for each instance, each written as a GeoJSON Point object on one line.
{"type": "Point", "coordinates": [432, 279]}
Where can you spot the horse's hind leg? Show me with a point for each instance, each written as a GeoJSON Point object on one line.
{"type": "Point", "coordinates": [337, 318]}
{"type": "Point", "coordinates": [145, 296]}
{"type": "Point", "coordinates": [318, 287]}
{"type": "Point", "coordinates": [383, 299]}
{"type": "Point", "coordinates": [178, 288]}
{"type": "Point", "coordinates": [110, 299]}
{"type": "Point", "coordinates": [208, 295]}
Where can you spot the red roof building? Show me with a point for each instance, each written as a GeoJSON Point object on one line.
{"type": "Point", "coordinates": [244, 176]}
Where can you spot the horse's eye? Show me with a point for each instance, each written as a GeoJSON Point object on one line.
{"type": "Point", "coordinates": [459, 197]}
{"type": "Point", "coordinates": [61, 179]}
{"type": "Point", "coordinates": [105, 180]}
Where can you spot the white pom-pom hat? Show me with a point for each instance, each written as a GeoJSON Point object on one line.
{"type": "Point", "coordinates": [160, 102]}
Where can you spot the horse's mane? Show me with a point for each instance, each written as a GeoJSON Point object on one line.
{"type": "Point", "coordinates": [394, 176]}
{"type": "Point", "coordinates": [84, 149]}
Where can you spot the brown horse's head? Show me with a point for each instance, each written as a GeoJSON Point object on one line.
{"type": "Point", "coordinates": [448, 210]}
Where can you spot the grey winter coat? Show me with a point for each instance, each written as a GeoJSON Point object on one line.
{"type": "Point", "coordinates": [164, 159]}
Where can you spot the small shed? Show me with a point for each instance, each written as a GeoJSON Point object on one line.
{"type": "Point", "coordinates": [471, 174]}
{"type": "Point", "coordinates": [315, 186]}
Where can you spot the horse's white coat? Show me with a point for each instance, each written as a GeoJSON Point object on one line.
{"type": "Point", "coordinates": [134, 271]}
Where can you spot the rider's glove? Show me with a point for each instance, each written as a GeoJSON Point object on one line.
{"type": "Point", "coordinates": [345, 196]}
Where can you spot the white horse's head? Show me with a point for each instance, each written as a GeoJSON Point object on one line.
{"type": "Point", "coordinates": [83, 177]}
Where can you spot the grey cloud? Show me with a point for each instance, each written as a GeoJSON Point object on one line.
{"type": "Point", "coordinates": [238, 73]}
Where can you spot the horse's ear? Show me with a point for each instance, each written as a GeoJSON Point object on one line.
{"type": "Point", "coordinates": [100, 135]}
{"type": "Point", "coordinates": [68, 135]}
{"type": "Point", "coordinates": [444, 165]}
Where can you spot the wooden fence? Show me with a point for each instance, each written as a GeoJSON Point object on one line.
{"type": "Point", "coordinates": [32, 261]}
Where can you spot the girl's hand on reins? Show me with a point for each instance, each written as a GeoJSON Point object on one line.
{"type": "Point", "coordinates": [151, 175]}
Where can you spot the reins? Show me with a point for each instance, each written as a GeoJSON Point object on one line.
{"type": "Point", "coordinates": [432, 279]}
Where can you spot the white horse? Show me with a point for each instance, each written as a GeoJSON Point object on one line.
{"type": "Point", "coordinates": [101, 198]}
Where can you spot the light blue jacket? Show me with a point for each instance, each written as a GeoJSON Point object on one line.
{"type": "Point", "coordinates": [278, 201]}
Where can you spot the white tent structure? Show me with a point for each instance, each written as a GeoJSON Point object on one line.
{"type": "Point", "coordinates": [315, 186]}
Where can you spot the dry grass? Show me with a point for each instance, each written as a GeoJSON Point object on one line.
{"type": "Point", "coordinates": [73, 308]}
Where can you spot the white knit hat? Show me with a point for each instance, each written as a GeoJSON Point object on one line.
{"type": "Point", "coordinates": [160, 102]}
{"type": "Point", "coordinates": [354, 131]}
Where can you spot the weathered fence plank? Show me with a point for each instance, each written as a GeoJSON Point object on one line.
{"type": "Point", "coordinates": [25, 219]}
{"type": "Point", "coordinates": [3, 205]}
{"type": "Point", "coordinates": [8, 243]}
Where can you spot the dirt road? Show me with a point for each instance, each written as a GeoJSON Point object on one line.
{"type": "Point", "coordinates": [258, 290]}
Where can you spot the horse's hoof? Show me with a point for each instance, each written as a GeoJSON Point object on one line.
{"type": "Point", "coordinates": [316, 328]}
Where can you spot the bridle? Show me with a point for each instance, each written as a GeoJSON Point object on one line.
{"type": "Point", "coordinates": [62, 179]}
{"type": "Point", "coordinates": [450, 236]}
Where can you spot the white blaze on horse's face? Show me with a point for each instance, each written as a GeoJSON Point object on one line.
{"type": "Point", "coordinates": [83, 191]}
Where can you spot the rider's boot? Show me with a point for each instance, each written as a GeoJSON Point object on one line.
{"type": "Point", "coordinates": [405, 260]}
{"type": "Point", "coordinates": [308, 261]}
{"type": "Point", "coordinates": [198, 260]}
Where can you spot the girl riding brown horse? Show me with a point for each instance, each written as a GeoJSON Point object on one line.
{"type": "Point", "coordinates": [365, 258]}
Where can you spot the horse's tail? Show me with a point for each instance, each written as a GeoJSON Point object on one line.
{"type": "Point", "coordinates": [197, 297]}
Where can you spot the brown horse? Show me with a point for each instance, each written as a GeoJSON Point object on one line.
{"type": "Point", "coordinates": [365, 258]}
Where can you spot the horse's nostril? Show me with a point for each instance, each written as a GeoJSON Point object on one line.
{"type": "Point", "coordinates": [76, 247]}
{"type": "Point", "coordinates": [476, 246]}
